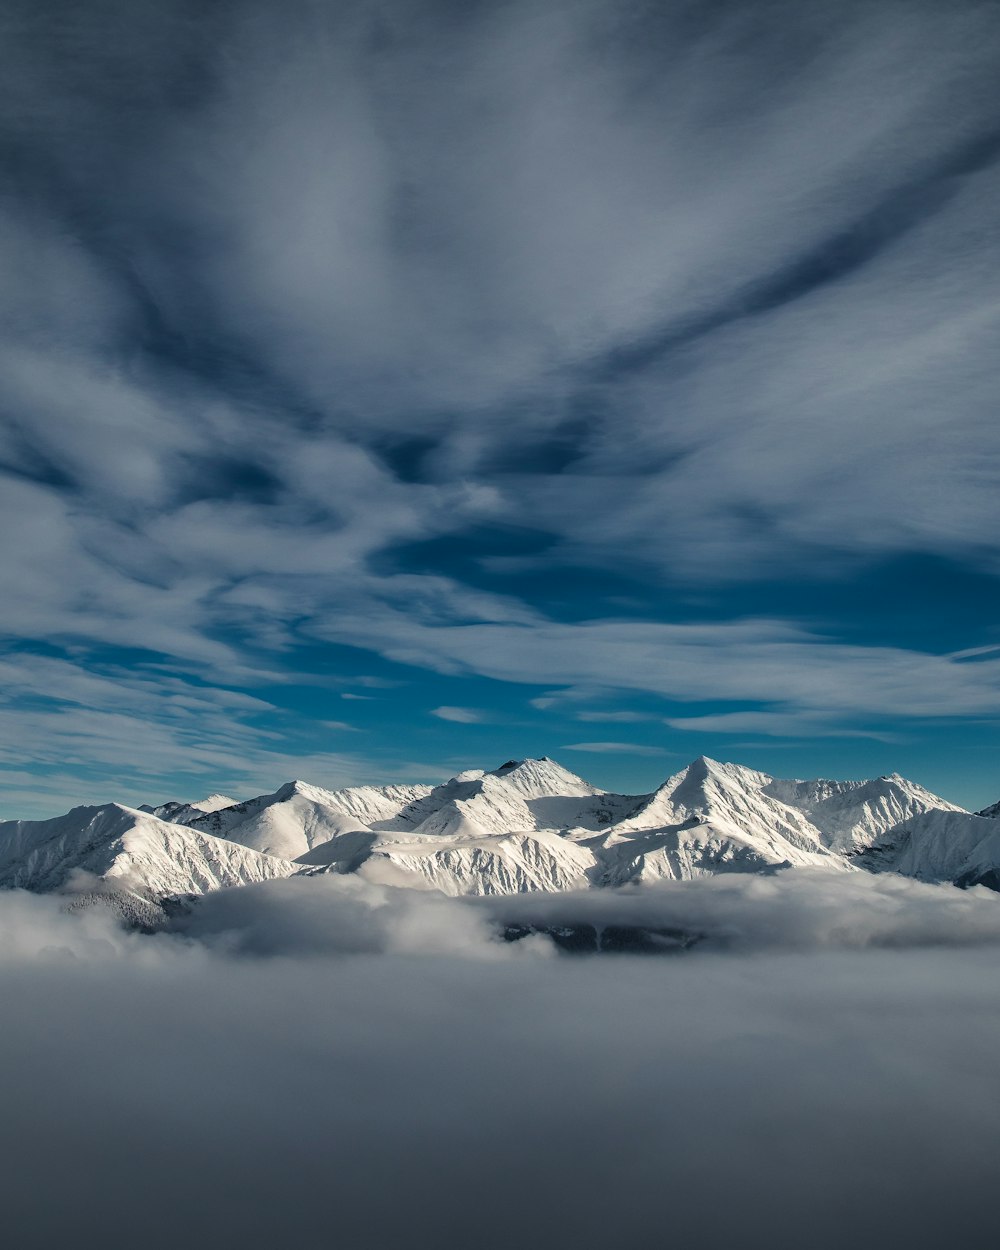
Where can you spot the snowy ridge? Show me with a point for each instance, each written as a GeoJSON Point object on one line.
{"type": "Point", "coordinates": [512, 864]}
{"type": "Point", "coordinates": [852, 815]}
{"type": "Point", "coordinates": [527, 825]}
{"type": "Point", "coordinates": [940, 845]}
{"type": "Point", "coordinates": [127, 848]}
{"type": "Point", "coordinates": [728, 796]}
{"type": "Point", "coordinates": [298, 816]}
{"type": "Point", "coordinates": [186, 813]}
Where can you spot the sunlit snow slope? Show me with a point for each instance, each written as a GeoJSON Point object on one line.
{"type": "Point", "coordinates": [128, 848]}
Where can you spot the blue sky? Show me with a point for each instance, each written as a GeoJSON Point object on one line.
{"type": "Point", "coordinates": [388, 389]}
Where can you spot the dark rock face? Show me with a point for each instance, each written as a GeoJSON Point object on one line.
{"type": "Point", "coordinates": [587, 939]}
{"type": "Point", "coordinates": [990, 879]}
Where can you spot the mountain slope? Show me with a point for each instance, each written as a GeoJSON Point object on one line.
{"type": "Point", "coordinates": [298, 816]}
{"type": "Point", "coordinates": [851, 815]}
{"type": "Point", "coordinates": [512, 863]}
{"type": "Point", "coordinates": [940, 845]}
{"type": "Point", "coordinates": [728, 796]}
{"type": "Point", "coordinates": [185, 813]}
{"type": "Point", "coordinates": [708, 818]}
{"type": "Point", "coordinates": [127, 848]}
{"type": "Point", "coordinates": [518, 796]}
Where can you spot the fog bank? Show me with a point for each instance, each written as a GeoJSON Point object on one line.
{"type": "Point", "coordinates": [169, 1090]}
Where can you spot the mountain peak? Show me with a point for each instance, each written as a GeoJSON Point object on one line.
{"type": "Point", "coordinates": [214, 802]}
{"type": "Point", "coordinates": [542, 777]}
{"type": "Point", "coordinates": [704, 769]}
{"type": "Point", "coordinates": [292, 788]}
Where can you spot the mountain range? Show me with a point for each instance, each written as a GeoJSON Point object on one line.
{"type": "Point", "coordinates": [525, 826]}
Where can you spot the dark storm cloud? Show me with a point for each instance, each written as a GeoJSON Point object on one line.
{"type": "Point", "coordinates": [165, 1090]}
{"type": "Point", "coordinates": [287, 290]}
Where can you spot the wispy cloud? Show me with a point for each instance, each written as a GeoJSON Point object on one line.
{"type": "Point", "coordinates": [460, 715]}
{"type": "Point", "coordinates": [74, 733]}
{"type": "Point", "coordinates": [786, 724]}
{"type": "Point", "coordinates": [616, 718]}
{"type": "Point", "coordinates": [772, 662]}
{"type": "Point", "coordinates": [613, 748]}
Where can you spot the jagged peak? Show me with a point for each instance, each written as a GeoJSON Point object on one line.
{"type": "Point", "coordinates": [541, 776]}
{"type": "Point", "coordinates": [704, 768]}
{"type": "Point", "coordinates": [214, 802]}
{"type": "Point", "coordinates": [117, 810]}
{"type": "Point", "coordinates": [541, 763]}
{"type": "Point", "coordinates": [319, 794]}
{"type": "Point", "coordinates": [290, 787]}
{"type": "Point", "coordinates": [298, 787]}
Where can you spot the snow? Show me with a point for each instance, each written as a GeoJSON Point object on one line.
{"type": "Point", "coordinates": [529, 825]}
{"type": "Point", "coordinates": [939, 845]}
{"type": "Point", "coordinates": [298, 817]}
{"type": "Point", "coordinates": [852, 815]}
{"type": "Point", "coordinates": [128, 848]}
{"type": "Point", "coordinates": [186, 813]}
{"type": "Point", "coordinates": [512, 864]}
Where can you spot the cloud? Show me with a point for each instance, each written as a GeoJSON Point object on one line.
{"type": "Point", "coordinates": [617, 718]}
{"type": "Point", "coordinates": [613, 748]}
{"type": "Point", "coordinates": [762, 661]}
{"type": "Point", "coordinates": [333, 915]}
{"type": "Point", "coordinates": [797, 724]}
{"type": "Point", "coordinates": [461, 715]}
{"type": "Point", "coordinates": [797, 909]}
{"type": "Point", "coordinates": [706, 1085]}
{"type": "Point", "coordinates": [68, 727]}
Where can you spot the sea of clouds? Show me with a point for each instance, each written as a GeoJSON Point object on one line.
{"type": "Point", "coordinates": [322, 1062]}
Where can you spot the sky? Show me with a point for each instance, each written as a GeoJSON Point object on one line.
{"type": "Point", "coordinates": [392, 388]}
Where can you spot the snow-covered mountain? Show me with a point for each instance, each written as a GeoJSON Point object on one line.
{"type": "Point", "coordinates": [127, 848]}
{"type": "Point", "coordinates": [527, 825]}
{"type": "Point", "coordinates": [299, 817]}
{"type": "Point", "coordinates": [940, 845]}
{"type": "Point", "coordinates": [851, 815]}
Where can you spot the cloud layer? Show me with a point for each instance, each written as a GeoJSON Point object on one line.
{"type": "Point", "coordinates": [320, 1065]}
